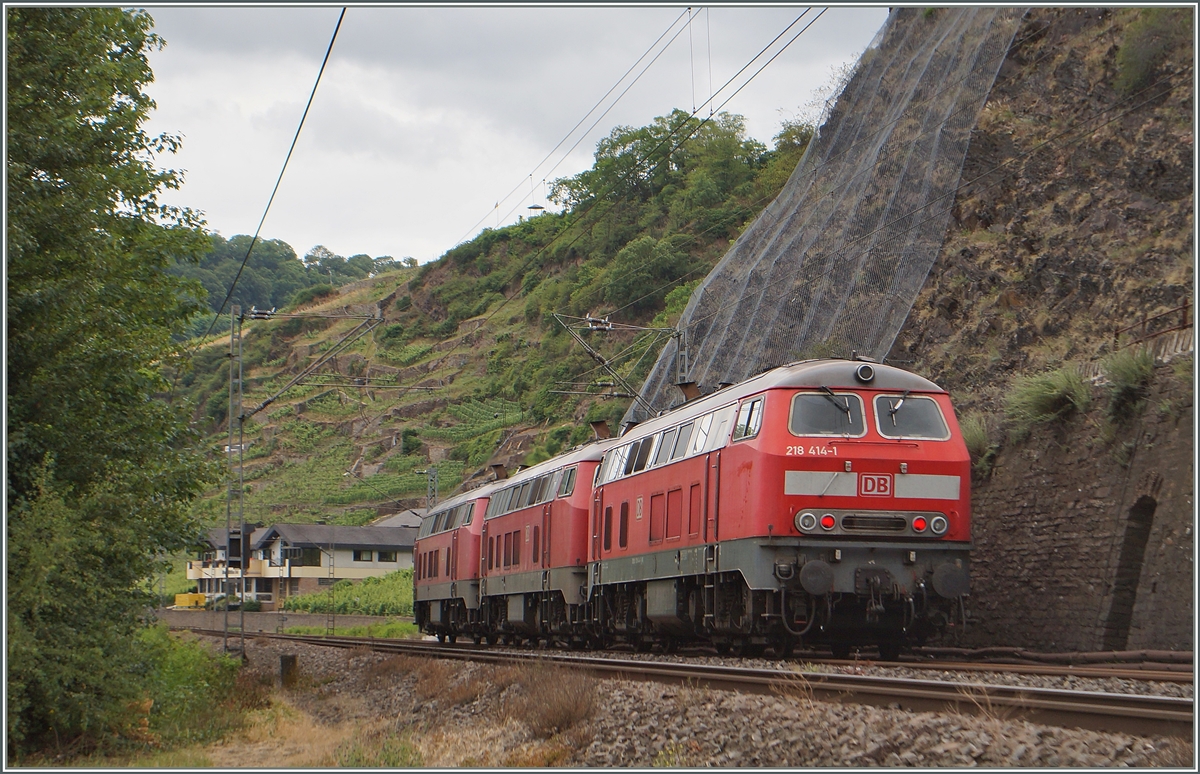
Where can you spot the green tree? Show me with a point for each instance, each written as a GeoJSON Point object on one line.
{"type": "Point", "coordinates": [99, 472]}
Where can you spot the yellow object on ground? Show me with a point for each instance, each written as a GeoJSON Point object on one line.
{"type": "Point", "coordinates": [189, 601]}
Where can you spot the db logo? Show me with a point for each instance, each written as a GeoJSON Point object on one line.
{"type": "Point", "coordinates": [875, 485]}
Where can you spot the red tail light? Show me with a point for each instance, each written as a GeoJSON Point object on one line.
{"type": "Point", "coordinates": [827, 521]}
{"type": "Point", "coordinates": [919, 524]}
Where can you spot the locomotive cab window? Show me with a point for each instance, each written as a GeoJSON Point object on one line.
{"type": "Point", "coordinates": [827, 413]}
{"type": "Point", "coordinates": [749, 420]}
{"type": "Point", "coordinates": [568, 483]}
{"type": "Point", "coordinates": [910, 416]}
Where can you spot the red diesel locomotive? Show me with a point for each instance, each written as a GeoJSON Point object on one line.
{"type": "Point", "coordinates": [820, 502]}
{"type": "Point", "coordinates": [517, 569]}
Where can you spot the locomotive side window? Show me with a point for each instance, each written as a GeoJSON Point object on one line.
{"type": "Point", "coordinates": [614, 464]}
{"type": "Point", "coordinates": [568, 483]}
{"type": "Point", "coordinates": [631, 459]}
{"type": "Point", "coordinates": [827, 413]}
{"type": "Point", "coordinates": [470, 513]}
{"type": "Point", "coordinates": [700, 433]}
{"type": "Point", "coordinates": [681, 441]}
{"type": "Point", "coordinates": [665, 446]}
{"type": "Point", "coordinates": [749, 420]}
{"type": "Point", "coordinates": [608, 526]}
{"type": "Point", "coordinates": [643, 455]}
{"type": "Point", "coordinates": [907, 416]}
{"type": "Point", "coordinates": [623, 530]}
{"type": "Point", "coordinates": [718, 432]}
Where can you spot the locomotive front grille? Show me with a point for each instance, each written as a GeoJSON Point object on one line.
{"type": "Point", "coordinates": [859, 523]}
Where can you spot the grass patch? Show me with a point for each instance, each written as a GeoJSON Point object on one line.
{"type": "Point", "coordinates": [979, 444]}
{"type": "Point", "coordinates": [378, 750]}
{"type": "Point", "coordinates": [1129, 372]}
{"type": "Point", "coordinates": [392, 630]}
{"type": "Point", "coordinates": [1044, 398]}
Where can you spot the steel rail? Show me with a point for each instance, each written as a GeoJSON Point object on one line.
{"type": "Point", "coordinates": [1158, 673]}
{"type": "Point", "coordinates": [1138, 714]}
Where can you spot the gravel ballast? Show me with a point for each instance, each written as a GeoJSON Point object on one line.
{"type": "Point", "coordinates": [647, 724]}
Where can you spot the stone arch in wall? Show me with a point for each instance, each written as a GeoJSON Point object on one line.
{"type": "Point", "coordinates": [1129, 571]}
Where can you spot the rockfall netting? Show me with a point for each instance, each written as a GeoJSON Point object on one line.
{"type": "Point", "coordinates": [836, 261]}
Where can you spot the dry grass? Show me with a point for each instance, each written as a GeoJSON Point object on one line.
{"type": "Point", "coordinates": [551, 700]}
{"type": "Point", "coordinates": [402, 665]}
{"type": "Point", "coordinates": [994, 715]}
{"type": "Point", "coordinates": [434, 678]}
{"type": "Point", "coordinates": [281, 736]}
{"type": "Point", "coordinates": [794, 687]}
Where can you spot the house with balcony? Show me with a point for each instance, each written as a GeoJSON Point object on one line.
{"type": "Point", "coordinates": [288, 559]}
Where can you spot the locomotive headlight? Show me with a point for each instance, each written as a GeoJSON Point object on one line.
{"type": "Point", "coordinates": [939, 525]}
{"type": "Point", "coordinates": [919, 524]}
{"type": "Point", "coordinates": [806, 522]}
{"type": "Point", "coordinates": [828, 522]}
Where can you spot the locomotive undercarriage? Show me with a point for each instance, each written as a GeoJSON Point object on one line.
{"type": "Point", "coordinates": [763, 597]}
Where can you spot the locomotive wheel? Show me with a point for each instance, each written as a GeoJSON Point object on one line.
{"type": "Point", "coordinates": [491, 639]}
{"type": "Point", "coordinates": [840, 649]}
{"type": "Point", "coordinates": [643, 645]}
{"type": "Point", "coordinates": [477, 639]}
{"type": "Point", "coordinates": [722, 648]}
{"type": "Point", "coordinates": [670, 645]}
{"type": "Point", "coordinates": [890, 650]}
{"type": "Point", "coordinates": [441, 637]}
{"type": "Point", "coordinates": [453, 638]}
{"type": "Point", "coordinates": [782, 647]}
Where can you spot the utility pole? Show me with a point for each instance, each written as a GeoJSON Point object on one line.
{"type": "Point", "coordinates": [234, 491]}
{"type": "Point", "coordinates": [431, 486]}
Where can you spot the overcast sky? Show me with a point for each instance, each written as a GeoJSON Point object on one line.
{"type": "Point", "coordinates": [427, 117]}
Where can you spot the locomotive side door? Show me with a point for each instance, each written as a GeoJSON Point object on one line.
{"type": "Point", "coordinates": [597, 501]}
{"type": "Point", "coordinates": [545, 547]}
{"type": "Point", "coordinates": [712, 492]}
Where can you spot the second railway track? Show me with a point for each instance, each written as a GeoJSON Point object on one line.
{"type": "Point", "coordinates": [1144, 715]}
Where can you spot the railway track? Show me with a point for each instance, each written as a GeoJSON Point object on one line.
{"type": "Point", "coordinates": [1143, 715]}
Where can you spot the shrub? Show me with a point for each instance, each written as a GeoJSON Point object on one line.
{"type": "Point", "coordinates": [188, 686]}
{"type": "Point", "coordinates": [307, 295]}
{"type": "Point", "coordinates": [551, 700]}
{"type": "Point", "coordinates": [1129, 372]}
{"type": "Point", "coordinates": [1045, 398]}
{"type": "Point", "coordinates": [1147, 42]}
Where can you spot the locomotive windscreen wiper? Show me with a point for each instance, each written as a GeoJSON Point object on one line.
{"type": "Point", "coordinates": [844, 407]}
{"type": "Point", "coordinates": [892, 411]}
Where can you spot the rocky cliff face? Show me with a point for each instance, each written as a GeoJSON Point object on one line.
{"type": "Point", "coordinates": [1075, 220]}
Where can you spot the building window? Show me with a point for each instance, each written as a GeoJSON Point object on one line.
{"type": "Point", "coordinates": [326, 581]}
{"type": "Point", "coordinates": [363, 556]}
{"type": "Point", "coordinates": [387, 556]}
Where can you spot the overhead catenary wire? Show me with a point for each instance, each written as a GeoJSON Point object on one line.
{"type": "Point", "coordinates": [599, 102]}
{"type": "Point", "coordinates": [600, 197]}
{"type": "Point", "coordinates": [279, 179]}
{"type": "Point", "coordinates": [607, 110]}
